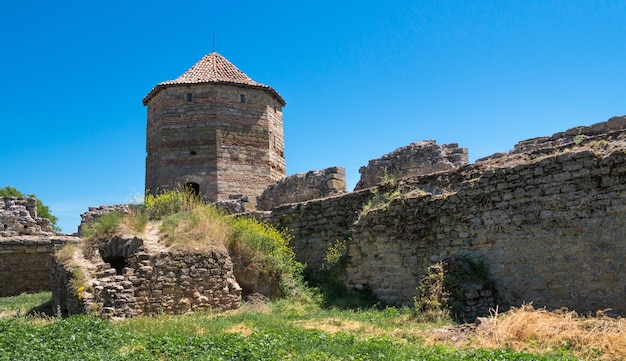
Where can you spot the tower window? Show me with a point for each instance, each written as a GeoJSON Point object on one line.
{"type": "Point", "coordinates": [189, 97]}
{"type": "Point", "coordinates": [242, 98]}
{"type": "Point", "coordinates": [192, 152]}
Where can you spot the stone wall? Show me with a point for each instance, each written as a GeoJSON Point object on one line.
{"type": "Point", "coordinates": [303, 187]}
{"type": "Point", "coordinates": [26, 245]}
{"type": "Point", "coordinates": [416, 159]}
{"type": "Point", "coordinates": [25, 263]}
{"type": "Point", "coordinates": [94, 213]}
{"type": "Point", "coordinates": [550, 232]}
{"type": "Point", "coordinates": [548, 223]}
{"type": "Point", "coordinates": [126, 279]}
{"type": "Point", "coordinates": [318, 224]}
{"type": "Point", "coordinates": [18, 217]}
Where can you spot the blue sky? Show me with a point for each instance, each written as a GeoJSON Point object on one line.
{"type": "Point", "coordinates": [360, 80]}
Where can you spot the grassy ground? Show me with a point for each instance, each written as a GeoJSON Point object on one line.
{"type": "Point", "coordinates": [297, 328]}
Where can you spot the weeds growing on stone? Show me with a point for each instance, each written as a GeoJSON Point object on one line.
{"type": "Point", "coordinates": [66, 255]}
{"type": "Point", "coordinates": [105, 225]}
{"type": "Point", "coordinates": [201, 227]}
{"type": "Point", "coordinates": [260, 246]}
{"type": "Point", "coordinates": [185, 223]}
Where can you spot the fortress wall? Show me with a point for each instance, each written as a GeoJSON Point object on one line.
{"type": "Point", "coordinates": [550, 230]}
{"type": "Point", "coordinates": [419, 158]}
{"type": "Point", "coordinates": [318, 224]}
{"type": "Point", "coordinates": [26, 246]}
{"type": "Point", "coordinates": [18, 217]}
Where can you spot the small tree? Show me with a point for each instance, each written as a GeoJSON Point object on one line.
{"type": "Point", "coordinates": [43, 211]}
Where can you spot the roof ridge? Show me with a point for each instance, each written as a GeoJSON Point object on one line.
{"type": "Point", "coordinates": [212, 68]}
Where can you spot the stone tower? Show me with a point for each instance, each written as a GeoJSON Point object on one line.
{"type": "Point", "coordinates": [216, 131]}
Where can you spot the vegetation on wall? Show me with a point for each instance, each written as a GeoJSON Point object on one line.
{"type": "Point", "coordinates": [444, 289]}
{"type": "Point", "coordinates": [328, 283]}
{"type": "Point", "coordinates": [43, 211]}
{"type": "Point", "coordinates": [186, 224]}
{"type": "Point", "coordinates": [265, 248]}
{"type": "Point", "coordinates": [77, 277]}
{"type": "Point", "coordinates": [386, 192]}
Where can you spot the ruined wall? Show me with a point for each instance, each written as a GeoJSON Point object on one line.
{"type": "Point", "coordinates": [318, 224]}
{"type": "Point", "coordinates": [18, 217]}
{"type": "Point", "coordinates": [25, 263]}
{"type": "Point", "coordinates": [418, 158]}
{"type": "Point", "coordinates": [94, 213]}
{"type": "Point", "coordinates": [128, 280]}
{"type": "Point", "coordinates": [548, 223]}
{"type": "Point", "coordinates": [551, 232]}
{"type": "Point", "coordinates": [26, 245]}
{"type": "Point", "coordinates": [303, 187]}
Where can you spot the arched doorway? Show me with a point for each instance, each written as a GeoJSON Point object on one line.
{"type": "Point", "coordinates": [193, 188]}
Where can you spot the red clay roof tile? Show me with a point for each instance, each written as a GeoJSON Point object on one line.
{"type": "Point", "coordinates": [212, 68]}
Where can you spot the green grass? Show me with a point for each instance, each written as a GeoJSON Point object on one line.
{"type": "Point", "coordinates": [23, 303]}
{"type": "Point", "coordinates": [287, 329]}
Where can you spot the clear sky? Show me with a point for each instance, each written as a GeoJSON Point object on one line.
{"type": "Point", "coordinates": [361, 78]}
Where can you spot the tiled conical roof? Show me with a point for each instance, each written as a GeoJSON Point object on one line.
{"type": "Point", "coordinates": [212, 68]}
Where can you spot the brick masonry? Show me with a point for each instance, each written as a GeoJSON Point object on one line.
{"type": "Point", "coordinates": [223, 135]}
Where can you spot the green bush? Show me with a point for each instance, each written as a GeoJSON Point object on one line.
{"type": "Point", "coordinates": [170, 202]}
{"type": "Point", "coordinates": [266, 248]}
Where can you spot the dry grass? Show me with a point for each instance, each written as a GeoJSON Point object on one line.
{"type": "Point", "coordinates": [240, 328]}
{"type": "Point", "coordinates": [540, 331]}
{"type": "Point", "coordinates": [200, 229]}
{"type": "Point", "coordinates": [68, 256]}
{"type": "Point", "coordinates": [330, 325]}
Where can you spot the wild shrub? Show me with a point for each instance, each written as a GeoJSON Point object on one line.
{"type": "Point", "coordinates": [167, 203]}
{"type": "Point", "coordinates": [431, 302]}
{"type": "Point", "coordinates": [255, 244]}
{"type": "Point", "coordinates": [327, 283]}
{"type": "Point", "coordinates": [336, 258]}
{"type": "Point", "coordinates": [443, 290]}
{"type": "Point", "coordinates": [380, 199]}
{"type": "Point", "coordinates": [384, 194]}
